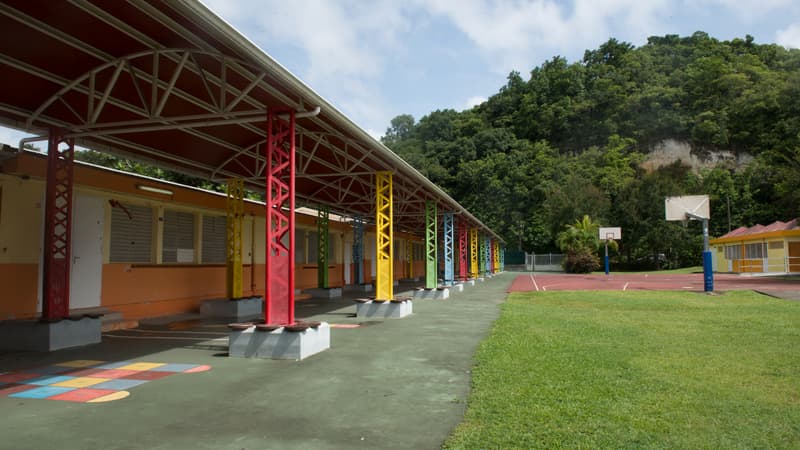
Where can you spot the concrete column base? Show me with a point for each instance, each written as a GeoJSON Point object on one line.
{"type": "Point", "coordinates": [324, 292]}
{"type": "Point", "coordinates": [470, 282]}
{"type": "Point", "coordinates": [385, 310]}
{"type": "Point", "coordinates": [458, 287]}
{"type": "Point", "coordinates": [33, 335]}
{"type": "Point", "coordinates": [239, 309]}
{"type": "Point", "coordinates": [280, 343]}
{"type": "Point", "coordinates": [432, 294]}
{"type": "Point", "coordinates": [359, 287]}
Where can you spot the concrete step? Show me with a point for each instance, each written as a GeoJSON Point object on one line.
{"type": "Point", "coordinates": [119, 324]}
{"type": "Point", "coordinates": [110, 320]}
{"type": "Point", "coordinates": [170, 321]}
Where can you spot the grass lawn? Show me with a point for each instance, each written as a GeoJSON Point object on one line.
{"type": "Point", "coordinates": [637, 369]}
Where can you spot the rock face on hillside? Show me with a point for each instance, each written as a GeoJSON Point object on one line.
{"type": "Point", "coordinates": [671, 150]}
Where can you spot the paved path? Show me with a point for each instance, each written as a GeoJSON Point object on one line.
{"type": "Point", "coordinates": [384, 384]}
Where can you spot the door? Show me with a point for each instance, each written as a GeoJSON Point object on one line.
{"type": "Point", "coordinates": [794, 256]}
{"type": "Point", "coordinates": [87, 252]}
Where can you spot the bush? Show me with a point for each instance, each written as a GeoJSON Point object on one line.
{"type": "Point", "coordinates": [583, 261]}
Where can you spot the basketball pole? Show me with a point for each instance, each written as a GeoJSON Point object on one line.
{"type": "Point", "coordinates": [606, 258]}
{"type": "Point", "coordinates": [708, 272]}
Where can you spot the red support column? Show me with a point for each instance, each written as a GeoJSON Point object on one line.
{"type": "Point", "coordinates": [279, 292]}
{"type": "Point", "coordinates": [57, 226]}
{"type": "Point", "coordinates": [463, 251]}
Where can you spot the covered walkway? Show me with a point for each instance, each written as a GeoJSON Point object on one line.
{"type": "Point", "coordinates": [173, 85]}
{"type": "Point", "coordinates": [385, 384]}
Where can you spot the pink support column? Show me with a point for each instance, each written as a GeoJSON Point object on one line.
{"type": "Point", "coordinates": [57, 226]}
{"type": "Point", "coordinates": [279, 292]}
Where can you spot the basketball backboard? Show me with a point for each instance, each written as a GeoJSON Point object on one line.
{"type": "Point", "coordinates": [610, 233]}
{"type": "Point", "coordinates": [691, 207]}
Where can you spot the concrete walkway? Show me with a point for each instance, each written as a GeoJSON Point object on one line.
{"type": "Point", "coordinates": [384, 384]}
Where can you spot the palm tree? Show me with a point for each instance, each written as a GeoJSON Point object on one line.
{"type": "Point", "coordinates": [582, 235]}
{"type": "Point", "coordinates": [580, 242]}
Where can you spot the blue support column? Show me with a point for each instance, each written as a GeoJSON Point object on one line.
{"type": "Point", "coordinates": [502, 259]}
{"type": "Point", "coordinates": [449, 276]}
{"type": "Point", "coordinates": [358, 250]}
{"type": "Point", "coordinates": [488, 254]}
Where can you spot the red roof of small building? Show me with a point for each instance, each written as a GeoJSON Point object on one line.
{"type": "Point", "coordinates": [758, 228]}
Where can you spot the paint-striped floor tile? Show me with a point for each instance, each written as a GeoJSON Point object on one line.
{"type": "Point", "coordinates": [119, 385]}
{"type": "Point", "coordinates": [80, 382]}
{"type": "Point", "coordinates": [142, 366]}
{"type": "Point", "coordinates": [88, 381]}
{"type": "Point", "coordinates": [174, 367]}
{"type": "Point", "coordinates": [14, 377]}
{"type": "Point", "coordinates": [79, 363]}
{"type": "Point", "coordinates": [82, 395]}
{"type": "Point", "coordinates": [41, 392]}
{"type": "Point", "coordinates": [48, 380]}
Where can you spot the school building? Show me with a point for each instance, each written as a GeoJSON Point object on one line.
{"type": "Point", "coordinates": [145, 247]}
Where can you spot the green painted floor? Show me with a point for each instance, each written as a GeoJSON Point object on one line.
{"type": "Point", "coordinates": [397, 383]}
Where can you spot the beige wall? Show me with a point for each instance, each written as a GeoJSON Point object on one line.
{"type": "Point", "coordinates": [21, 214]}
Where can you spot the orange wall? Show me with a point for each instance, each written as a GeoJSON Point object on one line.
{"type": "Point", "coordinates": [305, 276]}
{"type": "Point", "coordinates": [365, 270]}
{"type": "Point", "coordinates": [20, 290]}
{"type": "Point", "coordinates": [150, 291]}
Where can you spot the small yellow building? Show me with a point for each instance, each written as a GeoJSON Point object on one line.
{"type": "Point", "coordinates": [774, 248]}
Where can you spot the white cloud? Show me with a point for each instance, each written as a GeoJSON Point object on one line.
{"type": "Point", "coordinates": [745, 10]}
{"type": "Point", "coordinates": [474, 101]}
{"type": "Point", "coordinates": [516, 34]}
{"type": "Point", "coordinates": [789, 37]}
{"type": "Point", "coordinates": [343, 45]}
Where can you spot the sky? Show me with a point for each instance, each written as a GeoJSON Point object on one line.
{"type": "Point", "coordinates": [374, 60]}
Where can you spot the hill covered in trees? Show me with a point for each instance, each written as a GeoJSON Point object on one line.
{"type": "Point", "coordinates": [571, 139]}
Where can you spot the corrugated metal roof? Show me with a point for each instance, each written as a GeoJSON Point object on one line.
{"type": "Point", "coordinates": [760, 229]}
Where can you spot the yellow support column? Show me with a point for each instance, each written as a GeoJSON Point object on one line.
{"type": "Point", "coordinates": [384, 237]}
{"type": "Point", "coordinates": [233, 259]}
{"type": "Point", "coordinates": [473, 254]}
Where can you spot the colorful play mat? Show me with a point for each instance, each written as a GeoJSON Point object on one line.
{"type": "Point", "coordinates": [87, 381]}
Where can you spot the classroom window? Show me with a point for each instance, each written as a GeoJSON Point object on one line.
{"type": "Point", "coordinates": [178, 244]}
{"type": "Point", "coordinates": [131, 234]}
{"type": "Point", "coordinates": [755, 251]}
{"type": "Point", "coordinates": [732, 252]}
{"type": "Point", "coordinates": [214, 239]}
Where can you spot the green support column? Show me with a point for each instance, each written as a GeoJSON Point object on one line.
{"type": "Point", "coordinates": [322, 246]}
{"type": "Point", "coordinates": [431, 279]}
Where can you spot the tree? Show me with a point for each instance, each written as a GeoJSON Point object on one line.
{"type": "Point", "coordinates": [401, 128]}
{"type": "Point", "coordinates": [580, 242]}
